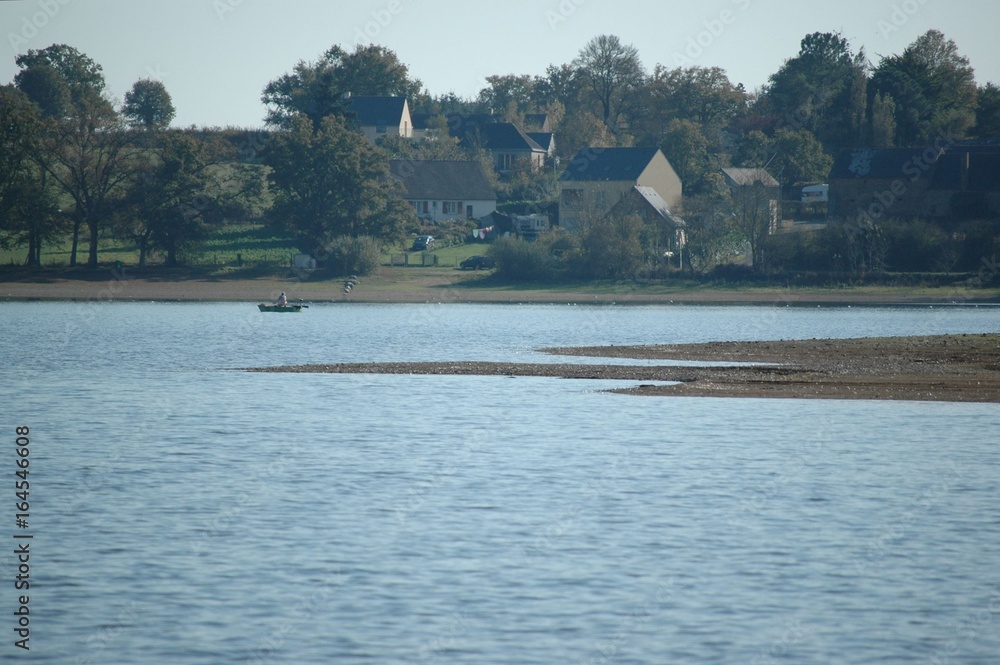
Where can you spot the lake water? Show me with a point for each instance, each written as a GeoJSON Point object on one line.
{"type": "Point", "coordinates": [185, 512]}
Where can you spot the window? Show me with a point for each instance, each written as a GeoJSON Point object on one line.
{"type": "Point", "coordinates": [449, 207]}
{"type": "Point", "coordinates": [571, 197]}
{"type": "Point", "coordinates": [381, 129]}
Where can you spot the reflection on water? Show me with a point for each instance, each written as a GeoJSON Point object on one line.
{"type": "Point", "coordinates": [188, 513]}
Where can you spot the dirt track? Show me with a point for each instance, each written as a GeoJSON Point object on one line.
{"type": "Point", "coordinates": [955, 368]}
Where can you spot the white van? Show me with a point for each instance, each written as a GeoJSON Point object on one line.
{"type": "Point", "coordinates": [816, 194]}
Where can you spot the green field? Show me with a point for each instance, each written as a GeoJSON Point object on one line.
{"type": "Point", "coordinates": [233, 246]}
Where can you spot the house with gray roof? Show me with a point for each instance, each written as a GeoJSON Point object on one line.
{"type": "Point", "coordinates": [376, 117]}
{"type": "Point", "coordinates": [445, 190]}
{"type": "Point", "coordinates": [511, 148]}
{"type": "Point", "coordinates": [960, 180]}
{"type": "Point", "coordinates": [597, 179]}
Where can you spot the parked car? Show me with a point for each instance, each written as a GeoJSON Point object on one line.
{"type": "Point", "coordinates": [478, 262]}
{"type": "Point", "coordinates": [423, 243]}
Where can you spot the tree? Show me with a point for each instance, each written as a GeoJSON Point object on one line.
{"type": "Point", "coordinates": [702, 95]}
{"type": "Point", "coordinates": [90, 157]}
{"type": "Point", "coordinates": [318, 89]}
{"type": "Point", "coordinates": [185, 187]}
{"type": "Point", "coordinates": [753, 215]}
{"type": "Point", "coordinates": [882, 126]}
{"type": "Point", "coordinates": [612, 77]}
{"type": "Point", "coordinates": [85, 148]}
{"type": "Point", "coordinates": [331, 183]}
{"type": "Point", "coordinates": [48, 89]}
{"type": "Point", "coordinates": [711, 232]}
{"type": "Point", "coordinates": [791, 155]}
{"type": "Point", "coordinates": [988, 113]}
{"type": "Point", "coordinates": [583, 130]}
{"type": "Point", "coordinates": [83, 76]}
{"type": "Point", "coordinates": [506, 93]}
{"type": "Point", "coordinates": [27, 206]}
{"type": "Point", "coordinates": [148, 105]}
{"type": "Point", "coordinates": [687, 150]}
{"type": "Point", "coordinates": [612, 247]}
{"type": "Point", "coordinates": [822, 89]}
{"type": "Point", "coordinates": [934, 89]}
{"type": "Point", "coordinates": [799, 157]}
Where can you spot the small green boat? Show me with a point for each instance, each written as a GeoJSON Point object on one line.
{"type": "Point", "coordinates": [279, 308]}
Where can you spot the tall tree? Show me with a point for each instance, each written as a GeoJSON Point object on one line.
{"type": "Point", "coordinates": [27, 206]}
{"type": "Point", "coordinates": [703, 95]}
{"type": "Point", "coordinates": [317, 89]}
{"type": "Point", "coordinates": [822, 89]}
{"type": "Point", "coordinates": [330, 183]}
{"type": "Point", "coordinates": [83, 77]}
{"type": "Point", "coordinates": [90, 157]}
{"type": "Point", "coordinates": [934, 89]}
{"type": "Point", "coordinates": [148, 105]}
{"type": "Point", "coordinates": [882, 130]}
{"type": "Point", "coordinates": [85, 147]}
{"type": "Point", "coordinates": [612, 78]}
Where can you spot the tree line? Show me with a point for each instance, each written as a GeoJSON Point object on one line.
{"type": "Point", "coordinates": [72, 160]}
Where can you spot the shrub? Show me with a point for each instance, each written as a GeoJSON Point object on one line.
{"type": "Point", "coordinates": [352, 256]}
{"type": "Point", "coordinates": [520, 260]}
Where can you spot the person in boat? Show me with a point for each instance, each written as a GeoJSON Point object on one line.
{"type": "Point", "coordinates": [282, 300]}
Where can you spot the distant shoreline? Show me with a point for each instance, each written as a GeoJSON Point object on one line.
{"type": "Point", "coordinates": [417, 286]}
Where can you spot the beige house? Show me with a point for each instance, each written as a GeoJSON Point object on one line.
{"type": "Point", "coordinates": [376, 117]}
{"type": "Point", "coordinates": [597, 179]}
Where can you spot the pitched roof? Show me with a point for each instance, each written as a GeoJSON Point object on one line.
{"type": "Point", "coordinates": [609, 164]}
{"type": "Point", "coordinates": [443, 180]}
{"type": "Point", "coordinates": [745, 177]}
{"type": "Point", "coordinates": [544, 139]}
{"type": "Point", "coordinates": [501, 136]}
{"type": "Point", "coordinates": [656, 201]}
{"type": "Point", "coordinates": [376, 110]}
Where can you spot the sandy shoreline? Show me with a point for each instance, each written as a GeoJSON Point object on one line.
{"type": "Point", "coordinates": [953, 368]}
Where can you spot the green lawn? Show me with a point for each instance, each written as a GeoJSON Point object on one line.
{"type": "Point", "coordinates": [256, 245]}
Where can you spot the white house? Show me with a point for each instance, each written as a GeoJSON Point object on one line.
{"type": "Point", "coordinates": [445, 190]}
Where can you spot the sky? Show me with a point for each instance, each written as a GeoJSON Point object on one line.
{"type": "Point", "coordinates": [215, 56]}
